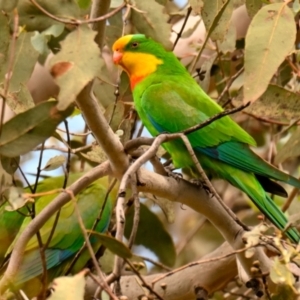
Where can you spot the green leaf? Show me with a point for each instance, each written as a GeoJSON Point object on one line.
{"type": "Point", "coordinates": [114, 114]}
{"type": "Point", "coordinates": [76, 64]}
{"type": "Point", "coordinates": [149, 18]}
{"type": "Point", "coordinates": [216, 17]}
{"type": "Point", "coordinates": [30, 128]}
{"type": "Point", "coordinates": [25, 57]}
{"type": "Point", "coordinates": [253, 6]}
{"type": "Point", "coordinates": [96, 155]}
{"type": "Point", "coordinates": [228, 44]}
{"type": "Point", "coordinates": [84, 4]}
{"type": "Point", "coordinates": [290, 149]}
{"type": "Point", "coordinates": [54, 163]}
{"type": "Point", "coordinates": [40, 39]}
{"type": "Point", "coordinates": [4, 41]}
{"type": "Point", "coordinates": [296, 6]}
{"type": "Point", "coordinates": [8, 5]}
{"type": "Point", "coordinates": [152, 234]}
{"type": "Point", "coordinates": [196, 5]}
{"type": "Point", "coordinates": [15, 198]}
{"type": "Point", "coordinates": [113, 244]}
{"type": "Point", "coordinates": [273, 104]}
{"type": "Point", "coordinates": [270, 38]}
{"type": "Point", "coordinates": [20, 101]}
{"type": "Point", "coordinates": [206, 66]}
{"type": "Point", "coordinates": [10, 164]}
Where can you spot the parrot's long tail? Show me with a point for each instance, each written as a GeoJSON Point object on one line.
{"type": "Point", "coordinates": [248, 183]}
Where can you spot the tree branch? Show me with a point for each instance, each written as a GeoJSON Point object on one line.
{"type": "Point", "coordinates": [215, 275]}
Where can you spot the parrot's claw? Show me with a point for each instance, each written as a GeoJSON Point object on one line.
{"type": "Point", "coordinates": [202, 184]}
{"type": "Point", "coordinates": [172, 174]}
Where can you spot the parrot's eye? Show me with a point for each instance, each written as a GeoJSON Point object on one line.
{"type": "Point", "coordinates": [134, 45]}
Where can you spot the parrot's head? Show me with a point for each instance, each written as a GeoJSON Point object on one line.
{"type": "Point", "coordinates": [138, 55]}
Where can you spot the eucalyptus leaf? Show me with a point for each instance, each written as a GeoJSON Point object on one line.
{"type": "Point", "coordinates": [216, 17]}
{"type": "Point", "coordinates": [29, 129]}
{"type": "Point", "coordinates": [113, 244]}
{"type": "Point", "coordinates": [149, 18]}
{"type": "Point", "coordinates": [152, 234]}
{"type": "Point", "coordinates": [275, 103]}
{"type": "Point", "coordinates": [76, 64]}
{"type": "Point", "coordinates": [270, 38]}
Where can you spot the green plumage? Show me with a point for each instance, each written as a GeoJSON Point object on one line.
{"type": "Point", "coordinates": [169, 100]}
{"type": "Point", "coordinates": [67, 238]}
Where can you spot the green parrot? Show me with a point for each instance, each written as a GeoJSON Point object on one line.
{"type": "Point", "coordinates": [67, 238]}
{"type": "Point", "coordinates": [168, 99]}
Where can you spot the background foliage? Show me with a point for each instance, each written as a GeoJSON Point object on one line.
{"type": "Point", "coordinates": [237, 50]}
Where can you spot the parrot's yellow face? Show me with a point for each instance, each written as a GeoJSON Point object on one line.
{"type": "Point", "coordinates": [129, 54]}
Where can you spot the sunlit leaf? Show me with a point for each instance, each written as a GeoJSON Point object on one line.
{"type": "Point", "coordinates": [76, 64]}
{"type": "Point", "coordinates": [280, 273]}
{"type": "Point", "coordinates": [267, 45]}
{"type": "Point", "coordinates": [69, 287]}
{"type": "Point", "coordinates": [15, 199]}
{"type": "Point", "coordinates": [54, 163]}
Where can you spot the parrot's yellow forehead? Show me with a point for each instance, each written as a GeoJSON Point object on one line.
{"type": "Point", "coordinates": [122, 42]}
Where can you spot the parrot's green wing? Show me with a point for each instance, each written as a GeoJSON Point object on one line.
{"type": "Point", "coordinates": [67, 238]}
{"type": "Point", "coordinates": [223, 140]}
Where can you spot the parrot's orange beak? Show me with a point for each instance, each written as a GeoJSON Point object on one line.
{"type": "Point", "coordinates": [117, 57]}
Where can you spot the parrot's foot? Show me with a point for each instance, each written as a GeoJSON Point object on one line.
{"type": "Point", "coordinates": [172, 174]}
{"type": "Point", "coordinates": [202, 184]}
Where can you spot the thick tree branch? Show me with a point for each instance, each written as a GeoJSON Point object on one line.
{"type": "Point", "coordinates": [211, 276]}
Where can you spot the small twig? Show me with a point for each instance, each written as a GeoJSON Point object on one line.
{"type": "Point", "coordinates": [156, 263]}
{"type": "Point", "coordinates": [204, 261]}
{"type": "Point", "coordinates": [214, 118]}
{"type": "Point", "coordinates": [144, 283]}
{"type": "Point", "coordinates": [68, 163]}
{"type": "Point", "coordinates": [208, 183]}
{"type": "Point", "coordinates": [136, 217]}
{"type": "Point", "coordinates": [189, 10]}
{"type": "Point", "coordinates": [229, 83]}
{"type": "Point", "coordinates": [75, 134]}
{"type": "Point", "coordinates": [290, 199]}
{"type": "Point", "coordinates": [79, 22]}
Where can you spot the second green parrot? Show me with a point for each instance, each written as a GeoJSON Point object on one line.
{"type": "Point", "coordinates": [168, 99]}
{"type": "Point", "coordinates": [67, 238]}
